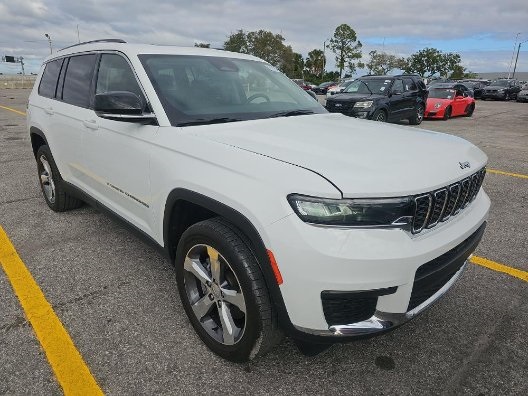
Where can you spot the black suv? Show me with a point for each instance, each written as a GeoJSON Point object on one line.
{"type": "Point", "coordinates": [382, 98]}
{"type": "Point", "coordinates": [503, 88]}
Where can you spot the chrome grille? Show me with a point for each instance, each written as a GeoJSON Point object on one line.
{"type": "Point", "coordinates": [439, 205]}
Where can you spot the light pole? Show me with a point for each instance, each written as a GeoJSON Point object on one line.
{"type": "Point", "coordinates": [49, 42]}
{"type": "Point", "coordinates": [324, 59]}
{"type": "Point", "coordinates": [513, 53]}
{"type": "Point", "coordinates": [517, 57]}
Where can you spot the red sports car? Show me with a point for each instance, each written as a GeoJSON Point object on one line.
{"type": "Point", "coordinates": [446, 102]}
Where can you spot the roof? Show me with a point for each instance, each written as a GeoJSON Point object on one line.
{"type": "Point", "coordinates": [132, 49]}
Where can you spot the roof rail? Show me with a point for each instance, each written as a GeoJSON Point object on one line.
{"type": "Point", "coordinates": [96, 41]}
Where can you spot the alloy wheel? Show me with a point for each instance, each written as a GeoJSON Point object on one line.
{"type": "Point", "coordinates": [215, 294]}
{"type": "Point", "coordinates": [46, 179]}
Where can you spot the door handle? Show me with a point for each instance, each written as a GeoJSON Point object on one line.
{"type": "Point", "coordinates": [49, 110]}
{"type": "Point", "coordinates": [91, 124]}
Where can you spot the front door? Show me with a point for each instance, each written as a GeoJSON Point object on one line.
{"type": "Point", "coordinates": [117, 153]}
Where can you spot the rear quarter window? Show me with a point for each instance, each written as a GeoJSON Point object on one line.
{"type": "Point", "coordinates": [50, 75]}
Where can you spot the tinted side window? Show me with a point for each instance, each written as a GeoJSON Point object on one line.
{"type": "Point", "coordinates": [115, 74]}
{"type": "Point", "coordinates": [78, 79]}
{"type": "Point", "coordinates": [48, 82]}
{"type": "Point", "coordinates": [409, 84]}
{"type": "Point", "coordinates": [397, 86]}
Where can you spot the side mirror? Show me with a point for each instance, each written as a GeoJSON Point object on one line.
{"type": "Point", "coordinates": [122, 106]}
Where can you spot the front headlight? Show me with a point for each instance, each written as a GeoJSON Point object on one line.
{"type": "Point", "coordinates": [501, 90]}
{"type": "Point", "coordinates": [375, 212]}
{"type": "Point", "coordinates": [437, 105]}
{"type": "Point", "coordinates": [363, 105]}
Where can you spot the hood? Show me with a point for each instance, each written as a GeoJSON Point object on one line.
{"type": "Point", "coordinates": [354, 97]}
{"type": "Point", "coordinates": [361, 158]}
{"type": "Point", "coordinates": [432, 101]}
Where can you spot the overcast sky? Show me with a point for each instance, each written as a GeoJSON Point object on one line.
{"type": "Point", "coordinates": [483, 32]}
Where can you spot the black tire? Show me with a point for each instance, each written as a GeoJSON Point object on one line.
{"type": "Point", "coordinates": [470, 111]}
{"type": "Point", "coordinates": [417, 118]}
{"type": "Point", "coordinates": [447, 113]}
{"type": "Point", "coordinates": [261, 331]}
{"type": "Point", "coordinates": [380, 115]}
{"type": "Point", "coordinates": [58, 200]}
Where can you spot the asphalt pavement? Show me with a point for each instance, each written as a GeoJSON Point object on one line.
{"type": "Point", "coordinates": [117, 297]}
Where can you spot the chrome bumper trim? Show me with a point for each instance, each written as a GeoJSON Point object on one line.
{"type": "Point", "coordinates": [381, 321]}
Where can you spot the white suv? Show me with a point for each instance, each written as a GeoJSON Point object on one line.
{"type": "Point", "coordinates": [279, 216]}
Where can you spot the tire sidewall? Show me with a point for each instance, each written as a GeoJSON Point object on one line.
{"type": "Point", "coordinates": [241, 351]}
{"type": "Point", "coordinates": [45, 151]}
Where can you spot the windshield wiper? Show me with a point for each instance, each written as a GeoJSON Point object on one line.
{"type": "Point", "coordinates": [290, 113]}
{"type": "Point", "coordinates": [208, 122]}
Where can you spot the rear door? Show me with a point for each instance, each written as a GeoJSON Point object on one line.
{"type": "Point", "coordinates": [68, 111]}
{"type": "Point", "coordinates": [411, 96]}
{"type": "Point", "coordinates": [117, 153]}
{"type": "Point", "coordinates": [397, 101]}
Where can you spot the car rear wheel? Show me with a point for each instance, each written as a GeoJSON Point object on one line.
{"type": "Point", "coordinates": [380, 116]}
{"type": "Point", "coordinates": [447, 113]}
{"type": "Point", "coordinates": [51, 183]}
{"type": "Point", "coordinates": [417, 118]}
{"type": "Point", "coordinates": [223, 291]}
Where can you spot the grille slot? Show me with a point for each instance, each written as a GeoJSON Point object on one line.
{"type": "Point", "coordinates": [440, 205]}
{"type": "Point", "coordinates": [440, 201]}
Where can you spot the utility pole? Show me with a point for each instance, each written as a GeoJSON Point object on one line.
{"type": "Point", "coordinates": [78, 36]}
{"type": "Point", "coordinates": [324, 59]}
{"type": "Point", "coordinates": [513, 54]}
{"type": "Point", "coordinates": [49, 42]}
{"type": "Point", "coordinates": [517, 57]}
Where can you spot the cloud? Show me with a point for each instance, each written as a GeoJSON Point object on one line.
{"type": "Point", "coordinates": [304, 24]}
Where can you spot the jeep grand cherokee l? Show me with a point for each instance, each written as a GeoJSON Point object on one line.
{"type": "Point", "coordinates": [274, 219]}
{"type": "Point", "coordinates": [382, 98]}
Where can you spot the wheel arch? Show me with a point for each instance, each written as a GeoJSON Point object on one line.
{"type": "Point", "coordinates": [184, 207]}
{"type": "Point", "coordinates": [38, 138]}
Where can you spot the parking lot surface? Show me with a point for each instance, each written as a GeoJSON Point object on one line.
{"type": "Point", "coordinates": [116, 296]}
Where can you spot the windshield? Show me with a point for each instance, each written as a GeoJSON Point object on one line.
{"type": "Point", "coordinates": [439, 93]}
{"type": "Point", "coordinates": [500, 83]}
{"type": "Point", "coordinates": [197, 90]}
{"type": "Point", "coordinates": [374, 86]}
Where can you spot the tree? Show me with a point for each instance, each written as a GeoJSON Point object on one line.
{"type": "Point", "coordinates": [298, 66]}
{"type": "Point", "coordinates": [237, 42]}
{"type": "Point", "coordinates": [460, 72]}
{"type": "Point", "coordinates": [202, 45]}
{"type": "Point", "coordinates": [315, 62]}
{"type": "Point", "coordinates": [268, 46]}
{"type": "Point", "coordinates": [430, 61]}
{"type": "Point", "coordinates": [381, 63]}
{"type": "Point", "coordinates": [346, 47]}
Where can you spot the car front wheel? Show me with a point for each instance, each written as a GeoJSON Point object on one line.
{"type": "Point", "coordinates": [223, 291]}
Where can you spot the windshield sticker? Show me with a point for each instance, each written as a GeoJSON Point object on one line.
{"type": "Point", "coordinates": [382, 89]}
{"type": "Point", "coordinates": [387, 81]}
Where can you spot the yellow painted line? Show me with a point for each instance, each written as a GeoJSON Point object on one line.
{"type": "Point", "coordinates": [65, 360]}
{"type": "Point", "coordinates": [499, 172]}
{"type": "Point", "coordinates": [13, 110]}
{"type": "Point", "coordinates": [500, 267]}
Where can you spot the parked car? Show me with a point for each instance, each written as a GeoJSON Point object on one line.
{"type": "Point", "coordinates": [522, 96]}
{"type": "Point", "coordinates": [301, 83]}
{"type": "Point", "coordinates": [476, 86]}
{"type": "Point", "coordinates": [504, 89]}
{"type": "Point", "coordinates": [447, 102]}
{"type": "Point", "coordinates": [382, 98]}
{"type": "Point", "coordinates": [323, 87]}
{"type": "Point", "coordinates": [459, 86]}
{"type": "Point", "coordinates": [278, 217]}
{"type": "Point", "coordinates": [338, 88]}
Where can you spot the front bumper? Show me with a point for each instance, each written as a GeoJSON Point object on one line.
{"type": "Point", "coordinates": [493, 95]}
{"type": "Point", "coordinates": [349, 110]}
{"type": "Point", "coordinates": [315, 259]}
{"type": "Point", "coordinates": [435, 113]}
